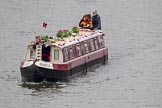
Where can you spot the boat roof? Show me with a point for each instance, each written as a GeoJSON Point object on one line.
{"type": "Point", "coordinates": [84, 34]}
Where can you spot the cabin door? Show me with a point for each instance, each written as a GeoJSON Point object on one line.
{"type": "Point", "coordinates": [46, 53]}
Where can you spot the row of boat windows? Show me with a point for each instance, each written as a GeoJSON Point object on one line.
{"type": "Point", "coordinates": [72, 51]}
{"type": "Point", "coordinates": [81, 48]}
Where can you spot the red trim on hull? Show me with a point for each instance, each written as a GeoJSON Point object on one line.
{"type": "Point", "coordinates": [34, 73]}
{"type": "Point", "coordinates": [61, 66]}
{"type": "Point", "coordinates": [81, 60]}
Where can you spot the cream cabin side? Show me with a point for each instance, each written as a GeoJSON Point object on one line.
{"type": "Point", "coordinates": [56, 55]}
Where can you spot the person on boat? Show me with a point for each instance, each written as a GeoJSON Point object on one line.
{"type": "Point", "coordinates": [86, 22]}
{"type": "Point", "coordinates": [96, 21]}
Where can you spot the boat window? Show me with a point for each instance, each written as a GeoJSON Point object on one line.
{"type": "Point", "coordinates": [32, 53]}
{"type": "Point", "coordinates": [82, 48]}
{"type": "Point", "coordinates": [92, 45]}
{"type": "Point", "coordinates": [86, 47]}
{"type": "Point", "coordinates": [78, 50]}
{"type": "Point", "coordinates": [66, 55]}
{"type": "Point", "coordinates": [101, 41]}
{"type": "Point", "coordinates": [71, 52]}
{"type": "Point", "coordinates": [56, 54]}
{"type": "Point", "coordinates": [96, 43]}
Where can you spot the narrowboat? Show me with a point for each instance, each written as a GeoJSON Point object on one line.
{"type": "Point", "coordinates": [60, 59]}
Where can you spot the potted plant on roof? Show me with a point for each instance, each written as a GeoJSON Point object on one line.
{"type": "Point", "coordinates": [59, 34]}
{"type": "Point", "coordinates": [44, 38]}
{"type": "Point", "coordinates": [75, 30]}
{"type": "Point", "coordinates": [63, 34]}
{"type": "Point", "coordinates": [66, 33]}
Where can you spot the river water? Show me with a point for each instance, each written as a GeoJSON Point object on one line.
{"type": "Point", "coordinates": [132, 78]}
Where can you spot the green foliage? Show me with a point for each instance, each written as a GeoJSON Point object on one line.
{"type": "Point", "coordinates": [75, 30]}
{"type": "Point", "coordinates": [63, 33]}
{"type": "Point", "coordinates": [45, 38]}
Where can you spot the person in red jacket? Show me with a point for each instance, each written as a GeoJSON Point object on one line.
{"type": "Point", "coordinates": [86, 22]}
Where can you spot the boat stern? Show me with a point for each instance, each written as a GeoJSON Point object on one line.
{"type": "Point", "coordinates": [30, 72]}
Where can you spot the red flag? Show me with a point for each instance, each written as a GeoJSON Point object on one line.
{"type": "Point", "coordinates": [44, 24]}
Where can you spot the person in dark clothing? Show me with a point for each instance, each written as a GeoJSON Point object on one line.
{"type": "Point", "coordinates": [96, 21]}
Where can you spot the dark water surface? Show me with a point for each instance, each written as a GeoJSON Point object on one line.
{"type": "Point", "coordinates": [131, 79]}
